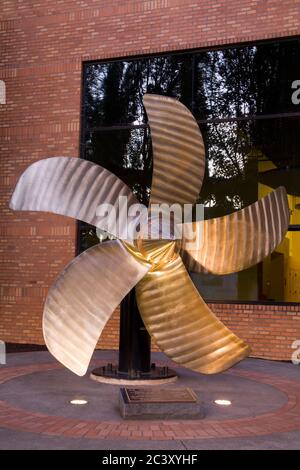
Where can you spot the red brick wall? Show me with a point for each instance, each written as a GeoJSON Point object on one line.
{"type": "Point", "coordinates": [43, 45]}
{"type": "Point", "coordinates": [269, 330]}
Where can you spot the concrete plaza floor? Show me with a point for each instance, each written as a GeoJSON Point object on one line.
{"type": "Point", "coordinates": [35, 412]}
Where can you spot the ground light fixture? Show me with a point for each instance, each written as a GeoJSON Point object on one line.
{"type": "Point", "coordinates": [222, 402]}
{"type": "Point", "coordinates": [79, 401]}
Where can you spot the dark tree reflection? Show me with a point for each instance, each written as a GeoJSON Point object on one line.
{"type": "Point", "coordinates": [236, 94]}
{"type": "Point", "coordinates": [241, 97]}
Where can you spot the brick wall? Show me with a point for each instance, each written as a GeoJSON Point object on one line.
{"type": "Point", "coordinates": [43, 45]}
{"type": "Point", "coordinates": [269, 330]}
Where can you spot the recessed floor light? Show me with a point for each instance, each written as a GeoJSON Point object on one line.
{"type": "Point", "coordinates": [78, 401]}
{"type": "Point", "coordinates": [222, 402]}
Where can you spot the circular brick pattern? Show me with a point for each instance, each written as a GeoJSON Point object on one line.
{"type": "Point", "coordinates": [285, 418]}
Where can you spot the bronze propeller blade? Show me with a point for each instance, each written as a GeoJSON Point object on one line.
{"type": "Point", "coordinates": [83, 298]}
{"type": "Point", "coordinates": [239, 240]}
{"type": "Point", "coordinates": [182, 324]}
{"type": "Point", "coordinates": [178, 151]}
{"type": "Point", "coordinates": [72, 187]}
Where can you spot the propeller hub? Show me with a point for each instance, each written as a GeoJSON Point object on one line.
{"type": "Point", "coordinates": [158, 253]}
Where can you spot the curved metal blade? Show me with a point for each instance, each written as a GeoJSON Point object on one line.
{"type": "Point", "coordinates": [182, 324]}
{"type": "Point", "coordinates": [83, 298]}
{"type": "Point", "coordinates": [237, 241]}
{"type": "Point", "coordinates": [72, 187]}
{"type": "Point", "coordinates": [178, 151]}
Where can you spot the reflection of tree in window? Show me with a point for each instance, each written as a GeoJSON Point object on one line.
{"type": "Point", "coordinates": [231, 174]}
{"type": "Point", "coordinates": [241, 97]}
{"type": "Point", "coordinates": [117, 137]}
{"type": "Point", "coordinates": [227, 83]}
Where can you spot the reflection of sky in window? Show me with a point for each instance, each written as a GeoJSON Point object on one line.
{"type": "Point", "coordinates": [96, 87]}
{"type": "Point", "coordinates": [224, 144]}
{"type": "Point", "coordinates": [155, 75]}
{"type": "Point", "coordinates": [134, 155]}
{"type": "Point", "coordinates": [215, 85]}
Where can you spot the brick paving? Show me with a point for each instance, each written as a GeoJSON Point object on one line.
{"type": "Point", "coordinates": [284, 418]}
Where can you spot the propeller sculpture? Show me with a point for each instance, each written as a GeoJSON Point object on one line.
{"type": "Point", "coordinates": [89, 289]}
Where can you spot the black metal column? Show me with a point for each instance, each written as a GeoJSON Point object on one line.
{"type": "Point", "coordinates": [134, 351]}
{"type": "Point", "coordinates": [135, 341]}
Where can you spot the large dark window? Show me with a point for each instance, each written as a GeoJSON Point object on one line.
{"type": "Point", "coordinates": [247, 105]}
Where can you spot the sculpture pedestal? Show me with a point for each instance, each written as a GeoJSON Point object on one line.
{"type": "Point", "coordinates": [162, 403]}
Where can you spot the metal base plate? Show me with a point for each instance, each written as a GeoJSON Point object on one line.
{"type": "Point", "coordinates": [111, 375]}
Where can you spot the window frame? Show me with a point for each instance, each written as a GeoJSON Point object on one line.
{"type": "Point", "coordinates": [192, 52]}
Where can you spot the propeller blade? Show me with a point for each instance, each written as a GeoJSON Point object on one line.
{"type": "Point", "coordinates": [178, 151]}
{"type": "Point", "coordinates": [83, 298]}
{"type": "Point", "coordinates": [182, 324]}
{"type": "Point", "coordinates": [75, 188]}
{"type": "Point", "coordinates": [239, 240]}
